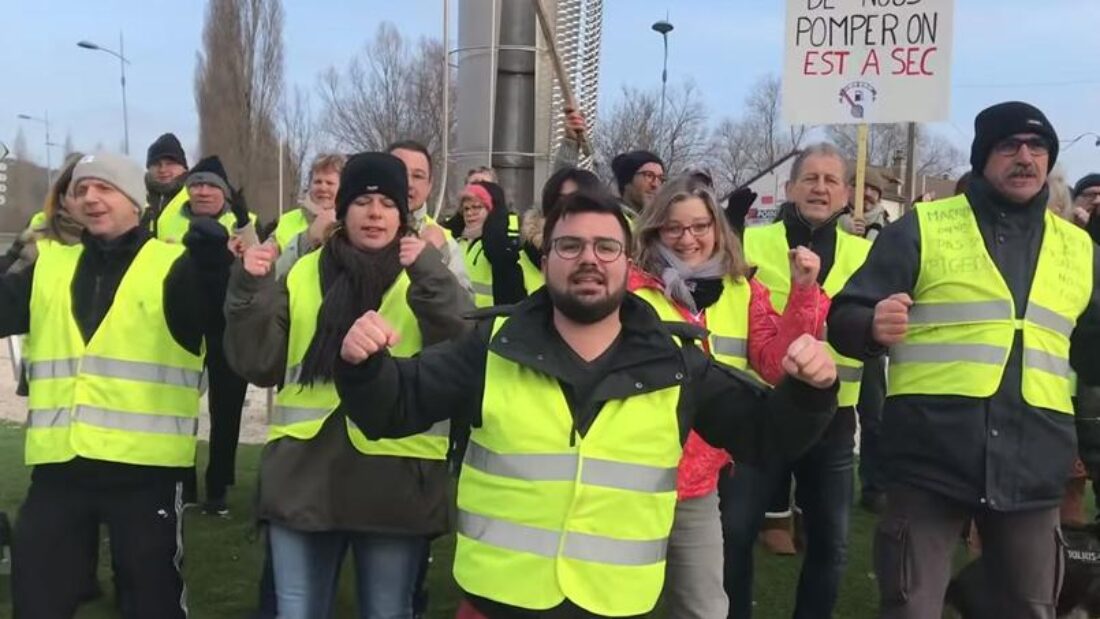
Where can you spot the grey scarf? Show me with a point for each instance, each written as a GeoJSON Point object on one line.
{"type": "Point", "coordinates": [677, 276]}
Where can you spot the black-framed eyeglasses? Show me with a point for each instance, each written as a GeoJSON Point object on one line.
{"type": "Point", "coordinates": [651, 177]}
{"type": "Point", "coordinates": [1089, 195]}
{"type": "Point", "coordinates": [571, 247]}
{"type": "Point", "coordinates": [1008, 147]}
{"type": "Point", "coordinates": [677, 231]}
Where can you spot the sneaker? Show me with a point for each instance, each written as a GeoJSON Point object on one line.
{"type": "Point", "coordinates": [216, 507]}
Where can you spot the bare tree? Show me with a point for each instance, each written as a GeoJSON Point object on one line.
{"type": "Point", "coordinates": [731, 160]}
{"type": "Point", "coordinates": [393, 90]}
{"type": "Point", "coordinates": [935, 154]}
{"type": "Point", "coordinates": [238, 92]}
{"type": "Point", "coordinates": [768, 138]}
{"type": "Point", "coordinates": [297, 130]}
{"type": "Point", "coordinates": [634, 123]}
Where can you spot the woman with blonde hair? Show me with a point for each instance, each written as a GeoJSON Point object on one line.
{"type": "Point", "coordinates": [691, 268]}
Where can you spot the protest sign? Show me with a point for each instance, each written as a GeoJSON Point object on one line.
{"type": "Point", "coordinates": [867, 61]}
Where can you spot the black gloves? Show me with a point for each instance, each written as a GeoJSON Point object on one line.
{"type": "Point", "coordinates": [738, 207]}
{"type": "Point", "coordinates": [239, 207]}
{"type": "Point", "coordinates": [208, 243]}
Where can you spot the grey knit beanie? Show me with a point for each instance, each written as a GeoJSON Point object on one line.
{"type": "Point", "coordinates": [126, 175]}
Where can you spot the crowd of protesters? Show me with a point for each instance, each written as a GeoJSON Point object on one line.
{"type": "Point", "coordinates": [632, 387]}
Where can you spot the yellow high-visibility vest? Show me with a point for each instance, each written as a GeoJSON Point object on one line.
{"type": "Point", "coordinates": [290, 225]}
{"type": "Point", "coordinates": [172, 225]}
{"type": "Point", "coordinates": [300, 410]}
{"type": "Point", "coordinates": [766, 248]}
{"type": "Point", "coordinates": [963, 320]}
{"type": "Point", "coordinates": [131, 394]}
{"type": "Point", "coordinates": [543, 517]}
{"type": "Point", "coordinates": [727, 320]}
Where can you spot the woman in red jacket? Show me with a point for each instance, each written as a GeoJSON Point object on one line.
{"type": "Point", "coordinates": [691, 268]}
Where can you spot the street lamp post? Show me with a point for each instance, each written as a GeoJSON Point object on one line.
{"type": "Point", "coordinates": [663, 27]}
{"type": "Point", "coordinates": [122, 62]}
{"type": "Point", "coordinates": [45, 120]}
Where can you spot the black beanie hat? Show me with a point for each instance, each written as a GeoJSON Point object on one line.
{"type": "Point", "coordinates": [996, 123]}
{"type": "Point", "coordinates": [1092, 180]}
{"type": "Point", "coordinates": [167, 146]}
{"type": "Point", "coordinates": [626, 165]}
{"type": "Point", "coordinates": [210, 171]}
{"type": "Point", "coordinates": [374, 173]}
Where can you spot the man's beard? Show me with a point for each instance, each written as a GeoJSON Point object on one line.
{"type": "Point", "coordinates": [585, 313]}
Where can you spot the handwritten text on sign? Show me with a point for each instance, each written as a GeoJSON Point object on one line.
{"type": "Point", "coordinates": [867, 61]}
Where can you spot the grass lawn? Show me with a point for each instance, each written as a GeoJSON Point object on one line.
{"type": "Point", "coordinates": [223, 556]}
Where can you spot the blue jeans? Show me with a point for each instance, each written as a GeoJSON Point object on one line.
{"type": "Point", "coordinates": [823, 491]}
{"type": "Point", "coordinates": [307, 570]}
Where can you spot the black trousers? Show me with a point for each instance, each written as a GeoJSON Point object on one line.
{"type": "Point", "coordinates": [226, 397]}
{"type": "Point", "coordinates": [53, 549]}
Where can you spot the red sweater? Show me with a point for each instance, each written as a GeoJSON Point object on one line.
{"type": "Point", "coordinates": [770, 334]}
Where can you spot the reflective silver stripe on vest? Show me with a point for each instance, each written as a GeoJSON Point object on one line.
{"type": "Point", "coordinates": [623, 476]}
{"type": "Point", "coordinates": [581, 546]}
{"type": "Point", "coordinates": [293, 374]}
{"type": "Point", "coordinates": [945, 353]}
{"type": "Point", "coordinates": [141, 371]}
{"type": "Point", "coordinates": [730, 346]}
{"type": "Point", "coordinates": [52, 368]}
{"type": "Point", "coordinates": [1049, 318]}
{"type": "Point", "coordinates": [1046, 362]}
{"type": "Point", "coordinates": [136, 422]}
{"type": "Point", "coordinates": [504, 534]}
{"type": "Point", "coordinates": [849, 374]}
{"type": "Point", "coordinates": [482, 288]}
{"type": "Point", "coordinates": [290, 415]}
{"type": "Point", "coordinates": [931, 313]}
{"type": "Point", "coordinates": [48, 418]}
{"type": "Point", "coordinates": [598, 549]}
{"type": "Point", "coordinates": [563, 467]}
{"type": "Point", "coordinates": [528, 467]}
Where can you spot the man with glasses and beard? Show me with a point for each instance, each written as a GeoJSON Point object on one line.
{"type": "Point", "coordinates": [985, 301]}
{"type": "Point", "coordinates": [579, 399]}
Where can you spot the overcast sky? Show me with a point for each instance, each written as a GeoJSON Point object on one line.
{"type": "Point", "coordinates": [1041, 52]}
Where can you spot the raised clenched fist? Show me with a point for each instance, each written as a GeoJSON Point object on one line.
{"type": "Point", "coordinates": [260, 259]}
{"type": "Point", "coordinates": [805, 265]}
{"type": "Point", "coordinates": [367, 336]}
{"type": "Point", "coordinates": [433, 235]}
{"type": "Point", "coordinates": [891, 320]}
{"type": "Point", "coordinates": [809, 361]}
{"type": "Point", "coordinates": [409, 251]}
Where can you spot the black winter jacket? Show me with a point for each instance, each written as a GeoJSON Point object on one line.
{"type": "Point", "coordinates": [997, 452]}
{"type": "Point", "coordinates": [389, 397]}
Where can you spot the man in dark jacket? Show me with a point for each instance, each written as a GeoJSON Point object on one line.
{"type": "Point", "coordinates": [985, 301]}
{"type": "Point", "coordinates": [579, 375]}
{"type": "Point", "coordinates": [166, 169]}
{"type": "Point", "coordinates": [818, 192]}
{"type": "Point", "coordinates": [114, 450]}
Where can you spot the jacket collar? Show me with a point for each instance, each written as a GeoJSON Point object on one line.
{"type": "Point", "coordinates": [989, 205]}
{"type": "Point", "coordinates": [127, 244]}
{"type": "Point", "coordinates": [801, 232]}
{"type": "Point", "coordinates": [646, 357]}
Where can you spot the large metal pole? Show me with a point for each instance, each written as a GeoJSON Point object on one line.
{"type": "Point", "coordinates": [514, 104]}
